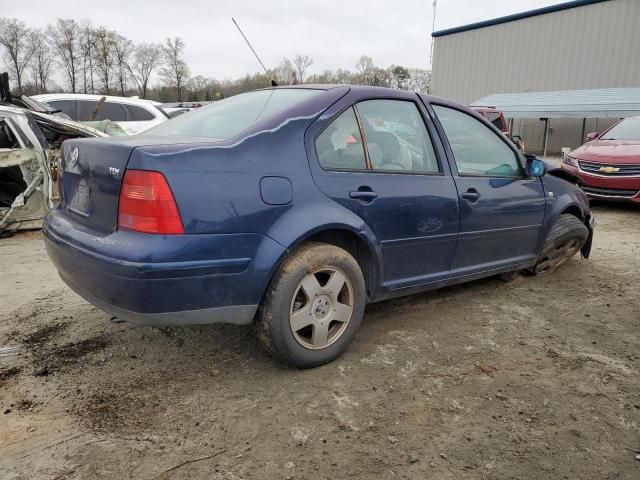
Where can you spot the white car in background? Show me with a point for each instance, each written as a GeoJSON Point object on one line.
{"type": "Point", "coordinates": [175, 111]}
{"type": "Point", "coordinates": [132, 114]}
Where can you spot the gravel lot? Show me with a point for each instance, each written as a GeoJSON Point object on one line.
{"type": "Point", "coordinates": [537, 378]}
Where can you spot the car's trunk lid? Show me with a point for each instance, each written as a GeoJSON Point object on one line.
{"type": "Point", "coordinates": [92, 173]}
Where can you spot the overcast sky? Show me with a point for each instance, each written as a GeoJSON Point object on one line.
{"type": "Point", "coordinates": [335, 33]}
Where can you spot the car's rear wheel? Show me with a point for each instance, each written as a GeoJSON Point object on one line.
{"type": "Point", "coordinates": [313, 306]}
{"type": "Point", "coordinates": [566, 238]}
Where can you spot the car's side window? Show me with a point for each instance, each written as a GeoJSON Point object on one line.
{"type": "Point", "coordinates": [109, 110]}
{"type": "Point", "coordinates": [85, 110]}
{"type": "Point", "coordinates": [112, 111]}
{"type": "Point", "coordinates": [339, 146]}
{"type": "Point", "coordinates": [138, 114]}
{"type": "Point", "coordinates": [65, 106]}
{"type": "Point", "coordinates": [396, 137]}
{"type": "Point", "coordinates": [476, 148]}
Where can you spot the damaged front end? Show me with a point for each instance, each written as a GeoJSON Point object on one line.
{"type": "Point", "coordinates": [29, 152]}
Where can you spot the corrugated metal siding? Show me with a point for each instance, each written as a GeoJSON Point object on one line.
{"type": "Point", "coordinates": [564, 132]}
{"type": "Point", "coordinates": [594, 46]}
{"type": "Point", "coordinates": [586, 103]}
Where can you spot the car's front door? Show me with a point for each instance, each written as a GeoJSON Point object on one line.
{"type": "Point", "coordinates": [501, 209]}
{"type": "Point", "coordinates": [377, 158]}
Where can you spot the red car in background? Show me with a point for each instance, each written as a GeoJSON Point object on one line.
{"type": "Point", "coordinates": [496, 117]}
{"type": "Point", "coordinates": [609, 163]}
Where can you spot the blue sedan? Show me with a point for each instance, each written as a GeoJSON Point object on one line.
{"type": "Point", "coordinates": [291, 208]}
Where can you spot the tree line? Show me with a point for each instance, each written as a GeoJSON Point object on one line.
{"type": "Point", "coordinates": [94, 59]}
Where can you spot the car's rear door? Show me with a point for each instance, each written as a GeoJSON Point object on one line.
{"type": "Point", "coordinates": [501, 209]}
{"type": "Point", "coordinates": [380, 158]}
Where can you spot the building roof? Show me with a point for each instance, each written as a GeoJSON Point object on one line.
{"type": "Point", "coordinates": [518, 16]}
{"type": "Point", "coordinates": [594, 103]}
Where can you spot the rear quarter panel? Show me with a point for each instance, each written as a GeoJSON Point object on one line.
{"type": "Point", "coordinates": [217, 185]}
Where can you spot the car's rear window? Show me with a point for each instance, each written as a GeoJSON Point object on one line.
{"type": "Point", "coordinates": [226, 118]}
{"type": "Point", "coordinates": [628, 129]}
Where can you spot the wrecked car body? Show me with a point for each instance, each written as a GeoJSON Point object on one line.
{"type": "Point", "coordinates": [30, 144]}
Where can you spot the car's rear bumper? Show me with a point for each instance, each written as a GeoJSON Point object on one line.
{"type": "Point", "coordinates": [163, 280]}
{"type": "Point", "coordinates": [608, 187]}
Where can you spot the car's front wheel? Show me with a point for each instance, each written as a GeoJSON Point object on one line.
{"type": "Point", "coordinates": [313, 306]}
{"type": "Point", "coordinates": [566, 238]}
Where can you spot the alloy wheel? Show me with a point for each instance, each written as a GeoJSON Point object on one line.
{"type": "Point", "coordinates": [558, 256]}
{"type": "Point", "coordinates": [321, 308]}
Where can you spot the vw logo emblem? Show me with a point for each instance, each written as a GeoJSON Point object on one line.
{"type": "Point", "coordinates": [73, 158]}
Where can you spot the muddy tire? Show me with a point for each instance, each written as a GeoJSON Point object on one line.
{"type": "Point", "coordinates": [566, 238]}
{"type": "Point", "coordinates": [313, 306]}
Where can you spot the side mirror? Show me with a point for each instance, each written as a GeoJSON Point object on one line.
{"type": "Point", "coordinates": [592, 136]}
{"type": "Point", "coordinates": [535, 167]}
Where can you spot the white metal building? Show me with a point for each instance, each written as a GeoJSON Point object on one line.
{"type": "Point", "coordinates": [582, 44]}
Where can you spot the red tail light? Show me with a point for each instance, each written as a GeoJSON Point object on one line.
{"type": "Point", "coordinates": [147, 204]}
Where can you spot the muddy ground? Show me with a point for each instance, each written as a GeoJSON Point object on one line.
{"type": "Point", "coordinates": [534, 379]}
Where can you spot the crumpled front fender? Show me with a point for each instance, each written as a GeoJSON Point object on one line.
{"type": "Point", "coordinates": [590, 222]}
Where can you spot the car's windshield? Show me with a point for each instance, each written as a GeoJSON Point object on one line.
{"type": "Point", "coordinates": [226, 118]}
{"type": "Point", "coordinates": [628, 129]}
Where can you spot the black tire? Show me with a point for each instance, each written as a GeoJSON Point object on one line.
{"type": "Point", "coordinates": [286, 293]}
{"type": "Point", "coordinates": [565, 239]}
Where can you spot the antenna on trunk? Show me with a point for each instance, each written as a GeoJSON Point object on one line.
{"type": "Point", "coordinates": [273, 82]}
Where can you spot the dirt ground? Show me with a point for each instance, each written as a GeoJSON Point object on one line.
{"type": "Point", "coordinates": [533, 379]}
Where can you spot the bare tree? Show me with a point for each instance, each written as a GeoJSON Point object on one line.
{"type": "Point", "coordinates": [122, 50]}
{"type": "Point", "coordinates": [325, 77]}
{"type": "Point", "coordinates": [364, 66]}
{"type": "Point", "coordinates": [175, 72]}
{"type": "Point", "coordinates": [419, 80]}
{"type": "Point", "coordinates": [15, 37]}
{"type": "Point", "coordinates": [199, 86]}
{"type": "Point", "coordinates": [64, 38]}
{"type": "Point", "coordinates": [285, 72]}
{"type": "Point", "coordinates": [145, 60]}
{"type": "Point", "coordinates": [41, 61]}
{"type": "Point", "coordinates": [301, 64]}
{"type": "Point", "coordinates": [343, 76]}
{"type": "Point", "coordinates": [87, 48]}
{"type": "Point", "coordinates": [104, 41]}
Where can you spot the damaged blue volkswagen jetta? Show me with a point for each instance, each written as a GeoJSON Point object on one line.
{"type": "Point", "coordinates": [293, 207]}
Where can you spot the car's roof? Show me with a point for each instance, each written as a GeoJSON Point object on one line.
{"type": "Point", "coordinates": [485, 109]}
{"type": "Point", "coordinates": [85, 96]}
{"type": "Point", "coordinates": [382, 91]}
{"type": "Point", "coordinates": [330, 86]}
